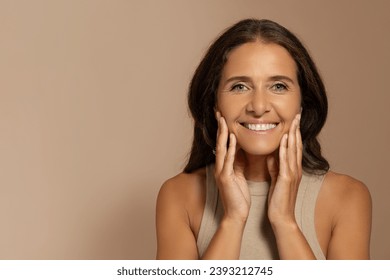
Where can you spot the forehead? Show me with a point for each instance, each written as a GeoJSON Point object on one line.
{"type": "Point", "coordinates": [259, 59]}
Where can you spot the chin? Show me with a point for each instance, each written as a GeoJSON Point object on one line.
{"type": "Point", "coordinates": [259, 150]}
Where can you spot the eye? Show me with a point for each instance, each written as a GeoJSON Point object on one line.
{"type": "Point", "coordinates": [279, 87]}
{"type": "Point", "coordinates": [239, 87]}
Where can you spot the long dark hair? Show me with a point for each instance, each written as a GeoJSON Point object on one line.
{"type": "Point", "coordinates": [203, 91]}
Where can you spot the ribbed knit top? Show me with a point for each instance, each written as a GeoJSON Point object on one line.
{"type": "Point", "coordinates": [258, 240]}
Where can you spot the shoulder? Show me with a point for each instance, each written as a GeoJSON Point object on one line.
{"type": "Point", "coordinates": [345, 195]}
{"type": "Point", "coordinates": [344, 204]}
{"type": "Point", "coordinates": [183, 184]}
{"type": "Point", "coordinates": [184, 191]}
{"type": "Point", "coordinates": [178, 214]}
{"type": "Point", "coordinates": [345, 187]}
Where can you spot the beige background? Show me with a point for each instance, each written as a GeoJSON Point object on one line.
{"type": "Point", "coordinates": [93, 114]}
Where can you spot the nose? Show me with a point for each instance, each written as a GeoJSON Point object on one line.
{"type": "Point", "coordinates": [258, 103]}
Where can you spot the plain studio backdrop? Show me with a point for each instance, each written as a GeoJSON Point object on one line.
{"type": "Point", "coordinates": [93, 114]}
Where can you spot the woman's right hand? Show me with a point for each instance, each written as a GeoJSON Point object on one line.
{"type": "Point", "coordinates": [229, 175]}
{"type": "Point", "coordinates": [234, 193]}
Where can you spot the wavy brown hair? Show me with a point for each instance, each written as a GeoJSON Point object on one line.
{"type": "Point", "coordinates": [202, 92]}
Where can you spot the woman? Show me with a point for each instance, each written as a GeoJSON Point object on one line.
{"type": "Point", "coordinates": [256, 185]}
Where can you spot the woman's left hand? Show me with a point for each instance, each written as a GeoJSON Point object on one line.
{"type": "Point", "coordinates": [285, 177]}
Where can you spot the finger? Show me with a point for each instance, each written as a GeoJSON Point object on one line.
{"type": "Point", "coordinates": [283, 164]}
{"type": "Point", "coordinates": [231, 153]}
{"type": "Point", "coordinates": [299, 146]}
{"type": "Point", "coordinates": [220, 149]}
{"type": "Point", "coordinates": [292, 146]}
{"type": "Point", "coordinates": [217, 115]}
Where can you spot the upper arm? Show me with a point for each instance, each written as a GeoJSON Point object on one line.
{"type": "Point", "coordinates": [175, 239]}
{"type": "Point", "coordinates": [351, 231]}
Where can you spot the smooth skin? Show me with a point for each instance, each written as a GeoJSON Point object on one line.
{"type": "Point", "coordinates": [259, 85]}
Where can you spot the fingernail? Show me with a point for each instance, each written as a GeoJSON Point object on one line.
{"type": "Point", "coordinates": [218, 114]}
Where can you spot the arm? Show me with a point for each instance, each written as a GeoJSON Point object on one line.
{"type": "Point", "coordinates": [226, 243]}
{"type": "Point", "coordinates": [233, 189]}
{"type": "Point", "coordinates": [175, 239]}
{"type": "Point", "coordinates": [285, 179]}
{"type": "Point", "coordinates": [346, 202]}
{"type": "Point", "coordinates": [350, 237]}
{"type": "Point", "coordinates": [292, 244]}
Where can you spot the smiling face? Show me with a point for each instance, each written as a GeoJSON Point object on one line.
{"type": "Point", "coordinates": [259, 95]}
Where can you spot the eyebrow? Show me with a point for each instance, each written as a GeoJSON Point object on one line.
{"type": "Point", "coordinates": [281, 77]}
{"type": "Point", "coordinates": [238, 78]}
{"type": "Point", "coordinates": [272, 78]}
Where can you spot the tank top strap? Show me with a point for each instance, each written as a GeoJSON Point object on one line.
{"type": "Point", "coordinates": [212, 212]}
{"type": "Point", "coordinates": [305, 210]}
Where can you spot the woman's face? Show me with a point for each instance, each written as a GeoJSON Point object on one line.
{"type": "Point", "coordinates": [259, 95]}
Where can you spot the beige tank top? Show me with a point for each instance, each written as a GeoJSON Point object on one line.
{"type": "Point", "coordinates": [258, 241]}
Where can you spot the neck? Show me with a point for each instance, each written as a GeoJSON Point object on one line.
{"type": "Point", "coordinates": [256, 168]}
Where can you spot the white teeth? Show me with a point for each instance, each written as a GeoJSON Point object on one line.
{"type": "Point", "coordinates": [260, 127]}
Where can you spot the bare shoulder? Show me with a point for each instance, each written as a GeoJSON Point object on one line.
{"type": "Point", "coordinates": [184, 186]}
{"type": "Point", "coordinates": [185, 194]}
{"type": "Point", "coordinates": [345, 210]}
{"type": "Point", "coordinates": [178, 215]}
{"type": "Point", "coordinates": [345, 189]}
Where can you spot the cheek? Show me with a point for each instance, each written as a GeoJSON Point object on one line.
{"type": "Point", "coordinates": [287, 109]}
{"type": "Point", "coordinates": [230, 121]}
{"type": "Point", "coordinates": [229, 109]}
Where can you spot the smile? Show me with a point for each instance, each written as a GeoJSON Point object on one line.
{"type": "Point", "coordinates": [259, 126]}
